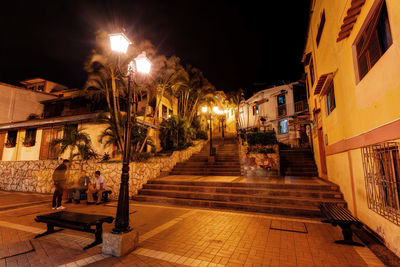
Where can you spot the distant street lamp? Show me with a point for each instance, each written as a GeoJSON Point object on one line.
{"type": "Point", "coordinates": [120, 43]}
{"type": "Point", "coordinates": [217, 111]}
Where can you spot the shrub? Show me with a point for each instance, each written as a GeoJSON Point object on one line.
{"type": "Point", "coordinates": [201, 135]}
{"type": "Point", "coordinates": [260, 150]}
{"type": "Point", "coordinates": [140, 157]}
{"type": "Point", "coordinates": [261, 138]}
{"type": "Point", "coordinates": [175, 134]}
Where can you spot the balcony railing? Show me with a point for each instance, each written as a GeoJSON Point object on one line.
{"type": "Point", "coordinates": [300, 106]}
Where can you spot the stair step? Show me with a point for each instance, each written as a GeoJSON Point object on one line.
{"type": "Point", "coordinates": [293, 210]}
{"type": "Point", "coordinates": [247, 185]}
{"type": "Point", "coordinates": [244, 198]}
{"type": "Point", "coordinates": [249, 191]}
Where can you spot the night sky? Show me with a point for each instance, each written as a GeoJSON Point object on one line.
{"type": "Point", "coordinates": [235, 43]}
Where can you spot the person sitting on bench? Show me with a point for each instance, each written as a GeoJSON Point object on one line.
{"type": "Point", "coordinates": [98, 186]}
{"type": "Point", "coordinates": [82, 185]}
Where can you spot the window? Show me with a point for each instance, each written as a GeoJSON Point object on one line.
{"type": "Point", "coordinates": [31, 88]}
{"type": "Point", "coordinates": [255, 109]}
{"type": "Point", "coordinates": [381, 164]}
{"type": "Point", "coordinates": [330, 98]}
{"type": "Point", "coordinates": [164, 112]}
{"type": "Point", "coordinates": [374, 41]}
{"type": "Point", "coordinates": [283, 127]}
{"type": "Point", "coordinates": [321, 27]}
{"type": "Point", "coordinates": [11, 138]}
{"type": "Point", "coordinates": [30, 137]}
{"type": "Point", "coordinates": [312, 74]}
{"type": "Point", "coordinates": [40, 88]}
{"type": "Point", "coordinates": [307, 86]}
{"type": "Point", "coordinates": [281, 100]}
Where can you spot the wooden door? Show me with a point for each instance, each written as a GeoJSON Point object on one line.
{"type": "Point", "coordinates": [45, 144]}
{"type": "Point", "coordinates": [322, 150]}
{"type": "Point", "coordinates": [2, 140]}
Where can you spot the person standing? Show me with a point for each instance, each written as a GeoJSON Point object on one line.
{"type": "Point", "coordinates": [82, 184]}
{"type": "Point", "coordinates": [59, 179]}
{"type": "Point", "coordinates": [99, 186]}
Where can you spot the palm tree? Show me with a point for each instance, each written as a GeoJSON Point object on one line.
{"type": "Point", "coordinates": [235, 98]}
{"type": "Point", "coordinates": [108, 135]}
{"type": "Point", "coordinates": [76, 141]}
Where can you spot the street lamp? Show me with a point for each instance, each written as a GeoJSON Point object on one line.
{"type": "Point", "coordinates": [205, 110]}
{"type": "Point", "coordinates": [119, 43]}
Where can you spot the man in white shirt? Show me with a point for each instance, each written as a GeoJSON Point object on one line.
{"type": "Point", "coordinates": [98, 186]}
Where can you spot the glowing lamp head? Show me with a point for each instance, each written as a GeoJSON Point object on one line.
{"type": "Point", "coordinates": [204, 109]}
{"type": "Point", "coordinates": [119, 42]}
{"type": "Point", "coordinates": [143, 64]}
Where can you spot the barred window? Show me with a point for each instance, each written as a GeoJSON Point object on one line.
{"type": "Point", "coordinates": [382, 179]}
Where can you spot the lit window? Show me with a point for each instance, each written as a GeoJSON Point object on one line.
{"type": "Point", "coordinates": [40, 87]}
{"type": "Point", "coordinates": [374, 41]}
{"type": "Point", "coordinates": [283, 127]}
{"type": "Point", "coordinates": [330, 99]}
{"type": "Point", "coordinates": [255, 109]}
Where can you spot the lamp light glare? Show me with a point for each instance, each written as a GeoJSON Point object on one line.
{"type": "Point", "coordinates": [204, 109]}
{"type": "Point", "coordinates": [143, 64]}
{"type": "Point", "coordinates": [119, 42]}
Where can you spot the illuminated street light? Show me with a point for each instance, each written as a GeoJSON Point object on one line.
{"type": "Point", "coordinates": [143, 64]}
{"type": "Point", "coordinates": [119, 42]}
{"type": "Point", "coordinates": [204, 109]}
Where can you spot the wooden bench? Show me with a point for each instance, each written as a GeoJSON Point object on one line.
{"type": "Point", "coordinates": [76, 221]}
{"type": "Point", "coordinates": [104, 197]}
{"type": "Point", "coordinates": [341, 216]}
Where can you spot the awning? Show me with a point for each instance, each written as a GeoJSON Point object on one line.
{"type": "Point", "coordinates": [321, 82]}
{"type": "Point", "coordinates": [350, 19]}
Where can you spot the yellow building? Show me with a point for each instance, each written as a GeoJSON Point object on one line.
{"type": "Point", "coordinates": [352, 63]}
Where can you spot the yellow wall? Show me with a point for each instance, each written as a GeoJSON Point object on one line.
{"type": "Point", "coordinates": [360, 105]}
{"type": "Point", "coordinates": [20, 152]}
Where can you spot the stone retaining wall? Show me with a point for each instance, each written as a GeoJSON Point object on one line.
{"type": "Point", "coordinates": [258, 164]}
{"type": "Point", "coordinates": [36, 176]}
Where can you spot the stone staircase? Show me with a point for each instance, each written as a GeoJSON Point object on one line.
{"type": "Point", "coordinates": [297, 162]}
{"type": "Point", "coordinates": [226, 163]}
{"type": "Point", "coordinates": [264, 197]}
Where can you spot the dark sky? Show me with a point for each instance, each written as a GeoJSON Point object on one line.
{"type": "Point", "coordinates": [235, 43]}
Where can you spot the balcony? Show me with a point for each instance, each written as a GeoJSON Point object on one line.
{"type": "Point", "coordinates": [300, 106]}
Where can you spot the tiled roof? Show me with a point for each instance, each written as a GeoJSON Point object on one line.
{"type": "Point", "coordinates": [350, 19]}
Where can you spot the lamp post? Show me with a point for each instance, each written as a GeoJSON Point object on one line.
{"type": "Point", "coordinates": [204, 110]}
{"type": "Point", "coordinates": [119, 43]}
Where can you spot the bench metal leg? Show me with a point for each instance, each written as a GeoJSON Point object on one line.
{"type": "Point", "coordinates": [348, 236]}
{"type": "Point", "coordinates": [50, 230]}
{"type": "Point", "coordinates": [98, 236]}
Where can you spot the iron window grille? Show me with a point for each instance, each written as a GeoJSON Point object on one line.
{"type": "Point", "coordinates": [381, 164]}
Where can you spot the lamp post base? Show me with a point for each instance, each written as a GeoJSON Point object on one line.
{"type": "Point", "coordinates": [120, 244]}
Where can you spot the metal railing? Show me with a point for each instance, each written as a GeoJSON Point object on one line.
{"type": "Point", "coordinates": [381, 164]}
{"type": "Point", "coordinates": [300, 106]}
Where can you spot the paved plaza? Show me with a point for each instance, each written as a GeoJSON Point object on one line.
{"type": "Point", "coordinates": [173, 236]}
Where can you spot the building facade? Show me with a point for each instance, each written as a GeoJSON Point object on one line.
{"type": "Point", "coordinates": [275, 108]}
{"type": "Point", "coordinates": [352, 64]}
{"type": "Point", "coordinates": [54, 106]}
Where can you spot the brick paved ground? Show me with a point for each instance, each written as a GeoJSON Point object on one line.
{"type": "Point", "coordinates": [171, 236]}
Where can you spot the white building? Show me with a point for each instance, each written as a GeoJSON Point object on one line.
{"type": "Point", "coordinates": [276, 108]}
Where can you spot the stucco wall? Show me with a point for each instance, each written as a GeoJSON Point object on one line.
{"type": "Point", "coordinates": [361, 105]}
{"type": "Point", "coordinates": [17, 103]}
{"type": "Point", "coordinates": [36, 176]}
